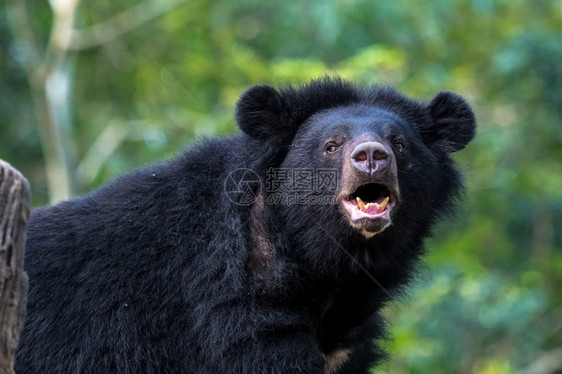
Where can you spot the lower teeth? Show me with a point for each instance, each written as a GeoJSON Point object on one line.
{"type": "Point", "coordinates": [384, 203]}
{"type": "Point", "coordinates": [362, 206]}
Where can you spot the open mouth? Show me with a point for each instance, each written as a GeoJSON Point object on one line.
{"type": "Point", "coordinates": [369, 202]}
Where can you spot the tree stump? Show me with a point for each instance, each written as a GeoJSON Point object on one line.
{"type": "Point", "coordinates": [14, 214]}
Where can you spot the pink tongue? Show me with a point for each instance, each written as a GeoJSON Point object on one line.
{"type": "Point", "coordinates": [373, 210]}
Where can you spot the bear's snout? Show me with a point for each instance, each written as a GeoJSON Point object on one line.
{"type": "Point", "coordinates": [371, 158]}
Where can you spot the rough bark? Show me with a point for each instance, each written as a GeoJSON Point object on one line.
{"type": "Point", "coordinates": [14, 214]}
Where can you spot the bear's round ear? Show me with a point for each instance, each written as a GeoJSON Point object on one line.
{"type": "Point", "coordinates": [452, 124]}
{"type": "Point", "coordinates": [260, 112]}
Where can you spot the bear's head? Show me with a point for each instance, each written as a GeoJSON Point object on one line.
{"type": "Point", "coordinates": [390, 155]}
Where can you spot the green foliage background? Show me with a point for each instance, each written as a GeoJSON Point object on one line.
{"type": "Point", "coordinates": [488, 299]}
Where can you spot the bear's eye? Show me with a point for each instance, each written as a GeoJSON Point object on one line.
{"type": "Point", "coordinates": [399, 145]}
{"type": "Point", "coordinates": [332, 148]}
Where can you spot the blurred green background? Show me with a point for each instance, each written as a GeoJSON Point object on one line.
{"type": "Point", "coordinates": [93, 89]}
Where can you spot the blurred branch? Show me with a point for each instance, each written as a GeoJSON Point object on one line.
{"type": "Point", "coordinates": [549, 362]}
{"type": "Point", "coordinates": [61, 32]}
{"type": "Point", "coordinates": [120, 24]}
{"type": "Point", "coordinates": [543, 230]}
{"type": "Point", "coordinates": [98, 153]}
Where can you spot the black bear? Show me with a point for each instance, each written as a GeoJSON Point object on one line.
{"type": "Point", "coordinates": [268, 251]}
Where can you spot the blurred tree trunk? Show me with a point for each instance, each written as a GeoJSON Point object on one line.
{"type": "Point", "coordinates": [14, 214]}
{"type": "Point", "coordinates": [48, 76]}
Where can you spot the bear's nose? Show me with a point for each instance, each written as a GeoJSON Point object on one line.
{"type": "Point", "coordinates": [370, 157]}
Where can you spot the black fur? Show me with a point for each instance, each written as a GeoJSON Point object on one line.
{"type": "Point", "coordinates": [159, 271]}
